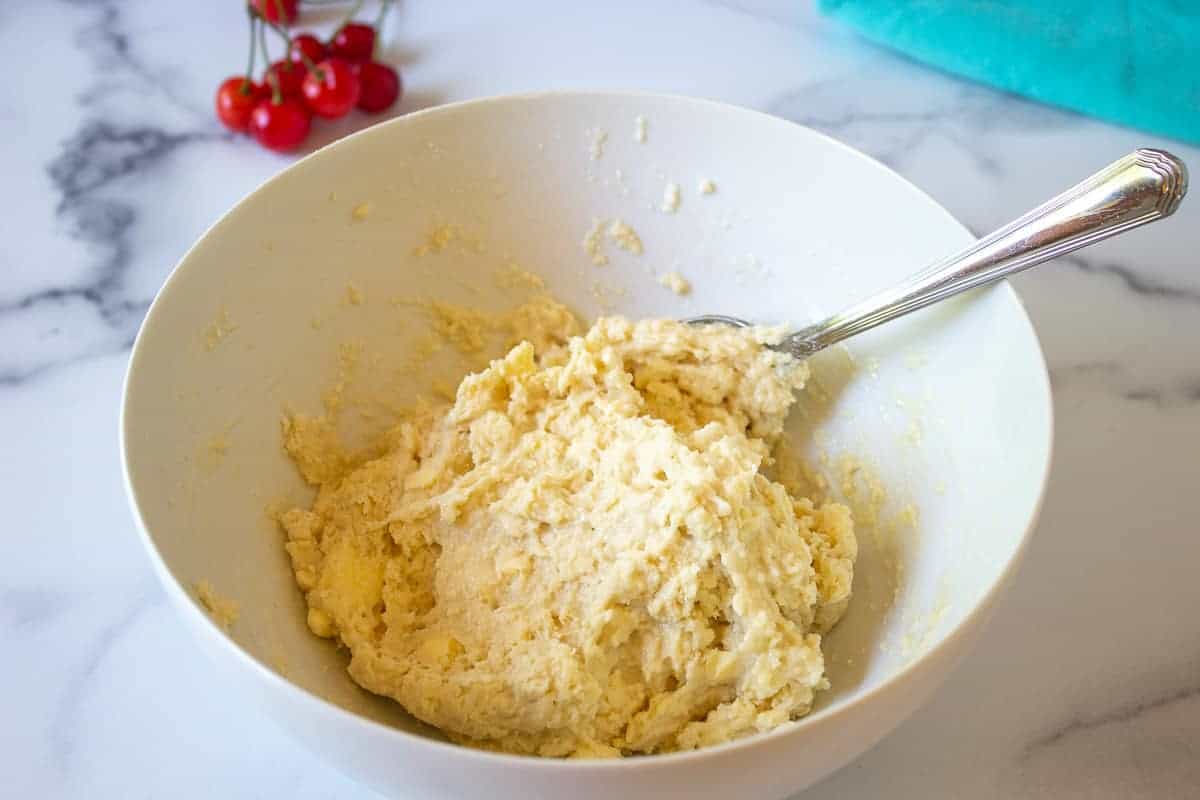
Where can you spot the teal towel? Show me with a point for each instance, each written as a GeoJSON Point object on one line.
{"type": "Point", "coordinates": [1135, 62]}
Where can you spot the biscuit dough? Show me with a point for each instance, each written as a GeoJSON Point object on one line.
{"type": "Point", "coordinates": [676, 283]}
{"type": "Point", "coordinates": [581, 555]}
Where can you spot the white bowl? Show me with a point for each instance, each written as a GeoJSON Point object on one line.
{"type": "Point", "coordinates": [948, 410]}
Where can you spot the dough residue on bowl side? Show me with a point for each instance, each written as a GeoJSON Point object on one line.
{"type": "Point", "coordinates": [223, 610]}
{"type": "Point", "coordinates": [671, 198]}
{"type": "Point", "coordinates": [615, 231]}
{"type": "Point", "coordinates": [676, 283]}
{"type": "Point", "coordinates": [217, 331]}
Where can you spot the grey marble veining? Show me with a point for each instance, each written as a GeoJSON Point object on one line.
{"type": "Point", "coordinates": [1087, 681]}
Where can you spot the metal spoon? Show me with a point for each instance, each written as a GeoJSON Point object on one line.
{"type": "Point", "coordinates": [1142, 187]}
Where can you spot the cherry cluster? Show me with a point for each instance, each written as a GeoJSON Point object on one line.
{"type": "Point", "coordinates": [314, 78]}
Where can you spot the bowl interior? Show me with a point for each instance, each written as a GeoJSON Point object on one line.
{"type": "Point", "coordinates": [935, 428]}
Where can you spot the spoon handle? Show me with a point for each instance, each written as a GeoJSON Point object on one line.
{"type": "Point", "coordinates": [1142, 187]}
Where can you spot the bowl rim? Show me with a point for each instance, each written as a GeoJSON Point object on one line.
{"type": "Point", "coordinates": [825, 716]}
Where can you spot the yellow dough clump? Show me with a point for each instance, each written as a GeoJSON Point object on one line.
{"type": "Point", "coordinates": [581, 555]}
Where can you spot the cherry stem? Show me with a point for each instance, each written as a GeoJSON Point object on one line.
{"type": "Point", "coordinates": [308, 62]}
{"type": "Point", "coordinates": [383, 9]}
{"type": "Point", "coordinates": [282, 32]}
{"type": "Point", "coordinates": [249, 78]}
{"type": "Point", "coordinates": [358, 4]}
{"type": "Point", "coordinates": [276, 92]}
{"type": "Point", "coordinates": [262, 42]}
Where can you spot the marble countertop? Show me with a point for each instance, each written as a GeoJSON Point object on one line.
{"type": "Point", "coordinates": [1085, 684]}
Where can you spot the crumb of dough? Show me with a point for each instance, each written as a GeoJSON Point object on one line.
{"type": "Point", "coordinates": [464, 328]}
{"type": "Point", "coordinates": [442, 236]}
{"type": "Point", "coordinates": [676, 283]}
{"type": "Point", "coordinates": [625, 237]}
{"type": "Point", "coordinates": [606, 295]}
{"type": "Point", "coordinates": [923, 627]}
{"type": "Point", "coordinates": [639, 129]}
{"type": "Point", "coordinates": [354, 295]}
{"type": "Point", "coordinates": [218, 330]}
{"type": "Point", "coordinates": [361, 212]}
{"type": "Point", "coordinates": [219, 445]}
{"type": "Point", "coordinates": [707, 186]}
{"type": "Point", "coordinates": [541, 320]}
{"type": "Point", "coordinates": [671, 198]}
{"type": "Point", "coordinates": [223, 610]}
{"type": "Point", "coordinates": [593, 244]}
{"type": "Point", "coordinates": [334, 396]}
{"type": "Point", "coordinates": [616, 231]}
{"type": "Point", "coordinates": [313, 444]}
{"type": "Point", "coordinates": [211, 454]}
{"type": "Point", "coordinates": [436, 240]}
{"type": "Point", "coordinates": [421, 351]}
{"type": "Point", "coordinates": [599, 139]}
{"type": "Point", "coordinates": [581, 555]}
{"type": "Point", "coordinates": [859, 484]}
{"type": "Point", "coordinates": [514, 276]}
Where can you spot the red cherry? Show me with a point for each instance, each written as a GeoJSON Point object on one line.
{"type": "Point", "coordinates": [270, 9]}
{"type": "Point", "coordinates": [236, 98]}
{"type": "Point", "coordinates": [288, 76]}
{"type": "Point", "coordinates": [281, 126]}
{"type": "Point", "coordinates": [354, 42]}
{"type": "Point", "coordinates": [331, 89]}
{"type": "Point", "coordinates": [381, 86]}
{"type": "Point", "coordinates": [309, 45]}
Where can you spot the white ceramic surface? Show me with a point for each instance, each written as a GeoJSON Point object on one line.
{"type": "Point", "coordinates": [949, 409]}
